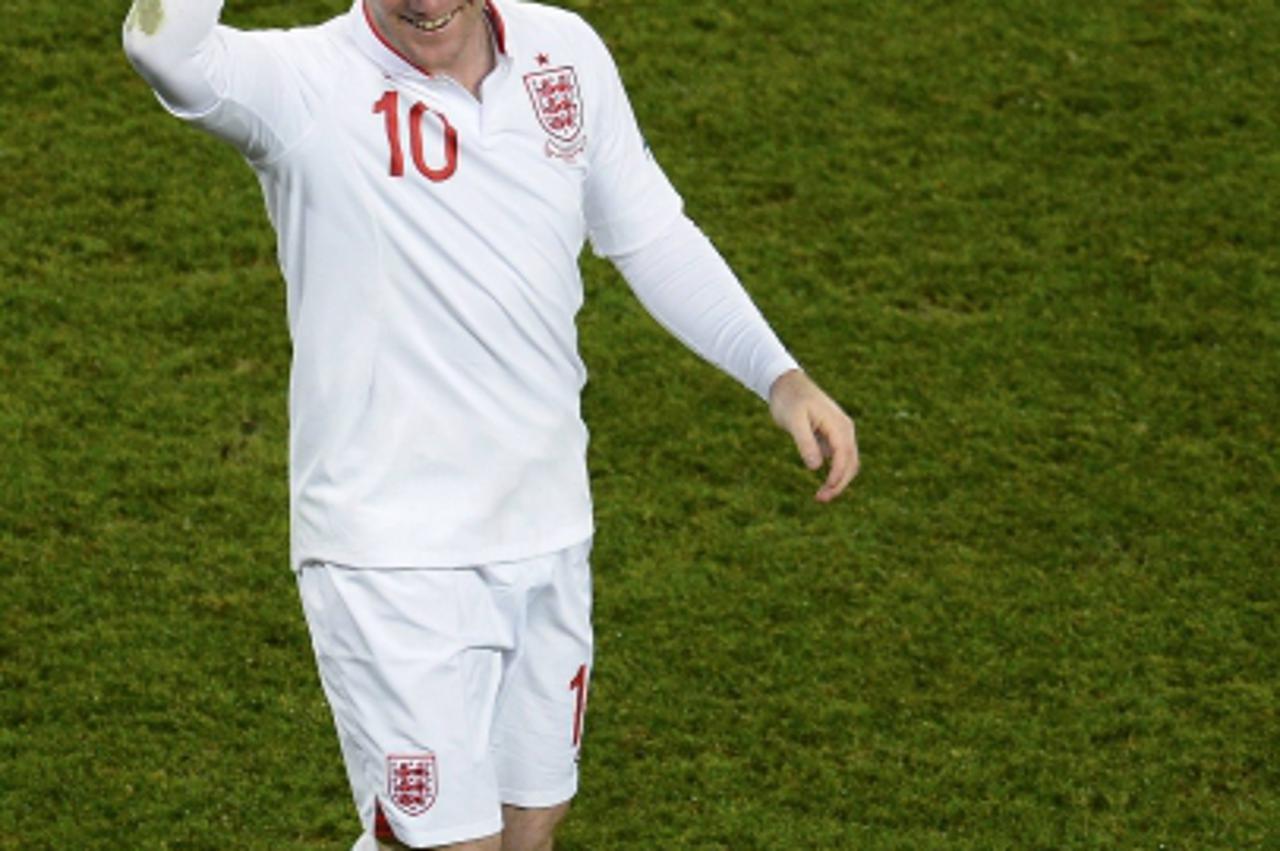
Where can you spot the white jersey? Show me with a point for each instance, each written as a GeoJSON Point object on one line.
{"type": "Point", "coordinates": [429, 241]}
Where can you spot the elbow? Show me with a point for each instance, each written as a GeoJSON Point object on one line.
{"type": "Point", "coordinates": [149, 46]}
{"type": "Point", "coordinates": [140, 49]}
{"type": "Point", "coordinates": [170, 68]}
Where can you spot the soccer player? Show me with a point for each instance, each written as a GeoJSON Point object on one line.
{"type": "Point", "coordinates": [432, 169]}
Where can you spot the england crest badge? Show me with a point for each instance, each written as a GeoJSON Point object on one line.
{"type": "Point", "coordinates": [411, 782]}
{"type": "Point", "coordinates": [557, 101]}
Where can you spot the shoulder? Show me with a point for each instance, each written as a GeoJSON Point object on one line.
{"type": "Point", "coordinates": [303, 45]}
{"type": "Point", "coordinates": [562, 27]}
{"type": "Point", "coordinates": [532, 14]}
{"type": "Point", "coordinates": [312, 59]}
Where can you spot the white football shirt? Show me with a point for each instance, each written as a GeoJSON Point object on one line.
{"type": "Point", "coordinates": [429, 242]}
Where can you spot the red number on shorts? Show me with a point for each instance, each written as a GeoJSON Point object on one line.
{"type": "Point", "coordinates": [389, 106]}
{"type": "Point", "coordinates": [579, 684]}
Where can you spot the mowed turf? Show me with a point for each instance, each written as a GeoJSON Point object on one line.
{"type": "Point", "coordinates": [1031, 245]}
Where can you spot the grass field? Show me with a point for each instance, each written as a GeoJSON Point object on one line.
{"type": "Point", "coordinates": [1032, 246]}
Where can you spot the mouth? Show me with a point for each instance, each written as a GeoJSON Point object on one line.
{"type": "Point", "coordinates": [431, 25]}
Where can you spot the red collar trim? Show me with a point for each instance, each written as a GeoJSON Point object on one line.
{"type": "Point", "coordinates": [490, 10]}
{"type": "Point", "coordinates": [364, 6]}
{"type": "Point", "coordinates": [499, 28]}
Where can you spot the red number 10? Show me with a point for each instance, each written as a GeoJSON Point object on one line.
{"type": "Point", "coordinates": [389, 105]}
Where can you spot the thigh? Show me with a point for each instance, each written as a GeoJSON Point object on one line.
{"type": "Point", "coordinates": [541, 709]}
{"type": "Point", "coordinates": [411, 663]}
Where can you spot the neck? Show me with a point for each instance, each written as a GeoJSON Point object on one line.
{"type": "Point", "coordinates": [466, 61]}
{"type": "Point", "coordinates": [476, 62]}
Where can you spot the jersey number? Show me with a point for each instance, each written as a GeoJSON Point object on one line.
{"type": "Point", "coordinates": [579, 684]}
{"type": "Point", "coordinates": [389, 106]}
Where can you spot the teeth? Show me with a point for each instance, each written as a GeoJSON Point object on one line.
{"type": "Point", "coordinates": [430, 25]}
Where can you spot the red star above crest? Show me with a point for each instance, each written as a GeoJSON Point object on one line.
{"type": "Point", "coordinates": [543, 59]}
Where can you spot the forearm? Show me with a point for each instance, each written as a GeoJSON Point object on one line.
{"type": "Point", "coordinates": [170, 43]}
{"type": "Point", "coordinates": [688, 288]}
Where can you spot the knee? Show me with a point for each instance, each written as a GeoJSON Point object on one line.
{"type": "Point", "coordinates": [530, 829]}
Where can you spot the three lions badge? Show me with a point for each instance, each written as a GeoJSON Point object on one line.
{"type": "Point", "coordinates": [411, 782]}
{"type": "Point", "coordinates": [557, 101]}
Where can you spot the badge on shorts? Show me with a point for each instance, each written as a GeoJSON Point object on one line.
{"type": "Point", "coordinates": [558, 105]}
{"type": "Point", "coordinates": [411, 782]}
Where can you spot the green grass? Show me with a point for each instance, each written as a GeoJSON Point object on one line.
{"type": "Point", "coordinates": [1031, 245]}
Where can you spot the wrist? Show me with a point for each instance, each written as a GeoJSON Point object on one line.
{"type": "Point", "coordinates": [788, 378]}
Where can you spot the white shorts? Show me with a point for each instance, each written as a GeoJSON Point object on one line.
{"type": "Point", "coordinates": [454, 690]}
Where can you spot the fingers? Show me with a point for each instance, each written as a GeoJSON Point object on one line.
{"type": "Point", "coordinates": [820, 429]}
{"type": "Point", "coordinates": [803, 433]}
{"type": "Point", "coordinates": [841, 439]}
{"type": "Point", "coordinates": [827, 435]}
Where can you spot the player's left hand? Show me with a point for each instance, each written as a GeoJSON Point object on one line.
{"type": "Point", "coordinates": [820, 428]}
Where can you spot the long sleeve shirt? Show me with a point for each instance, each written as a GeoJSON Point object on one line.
{"type": "Point", "coordinates": [429, 242]}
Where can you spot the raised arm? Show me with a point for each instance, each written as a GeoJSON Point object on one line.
{"type": "Point", "coordinates": [171, 44]}
{"type": "Point", "coordinates": [244, 87]}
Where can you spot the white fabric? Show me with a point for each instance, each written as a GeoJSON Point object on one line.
{"type": "Point", "coordinates": [434, 395]}
{"type": "Point", "coordinates": [476, 669]}
{"type": "Point", "coordinates": [242, 86]}
{"type": "Point", "coordinates": [687, 286]}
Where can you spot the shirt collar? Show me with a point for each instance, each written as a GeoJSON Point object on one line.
{"type": "Point", "coordinates": [381, 51]}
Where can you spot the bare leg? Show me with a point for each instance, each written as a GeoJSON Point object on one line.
{"type": "Point", "coordinates": [489, 843]}
{"type": "Point", "coordinates": [524, 829]}
{"type": "Point", "coordinates": [530, 829]}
